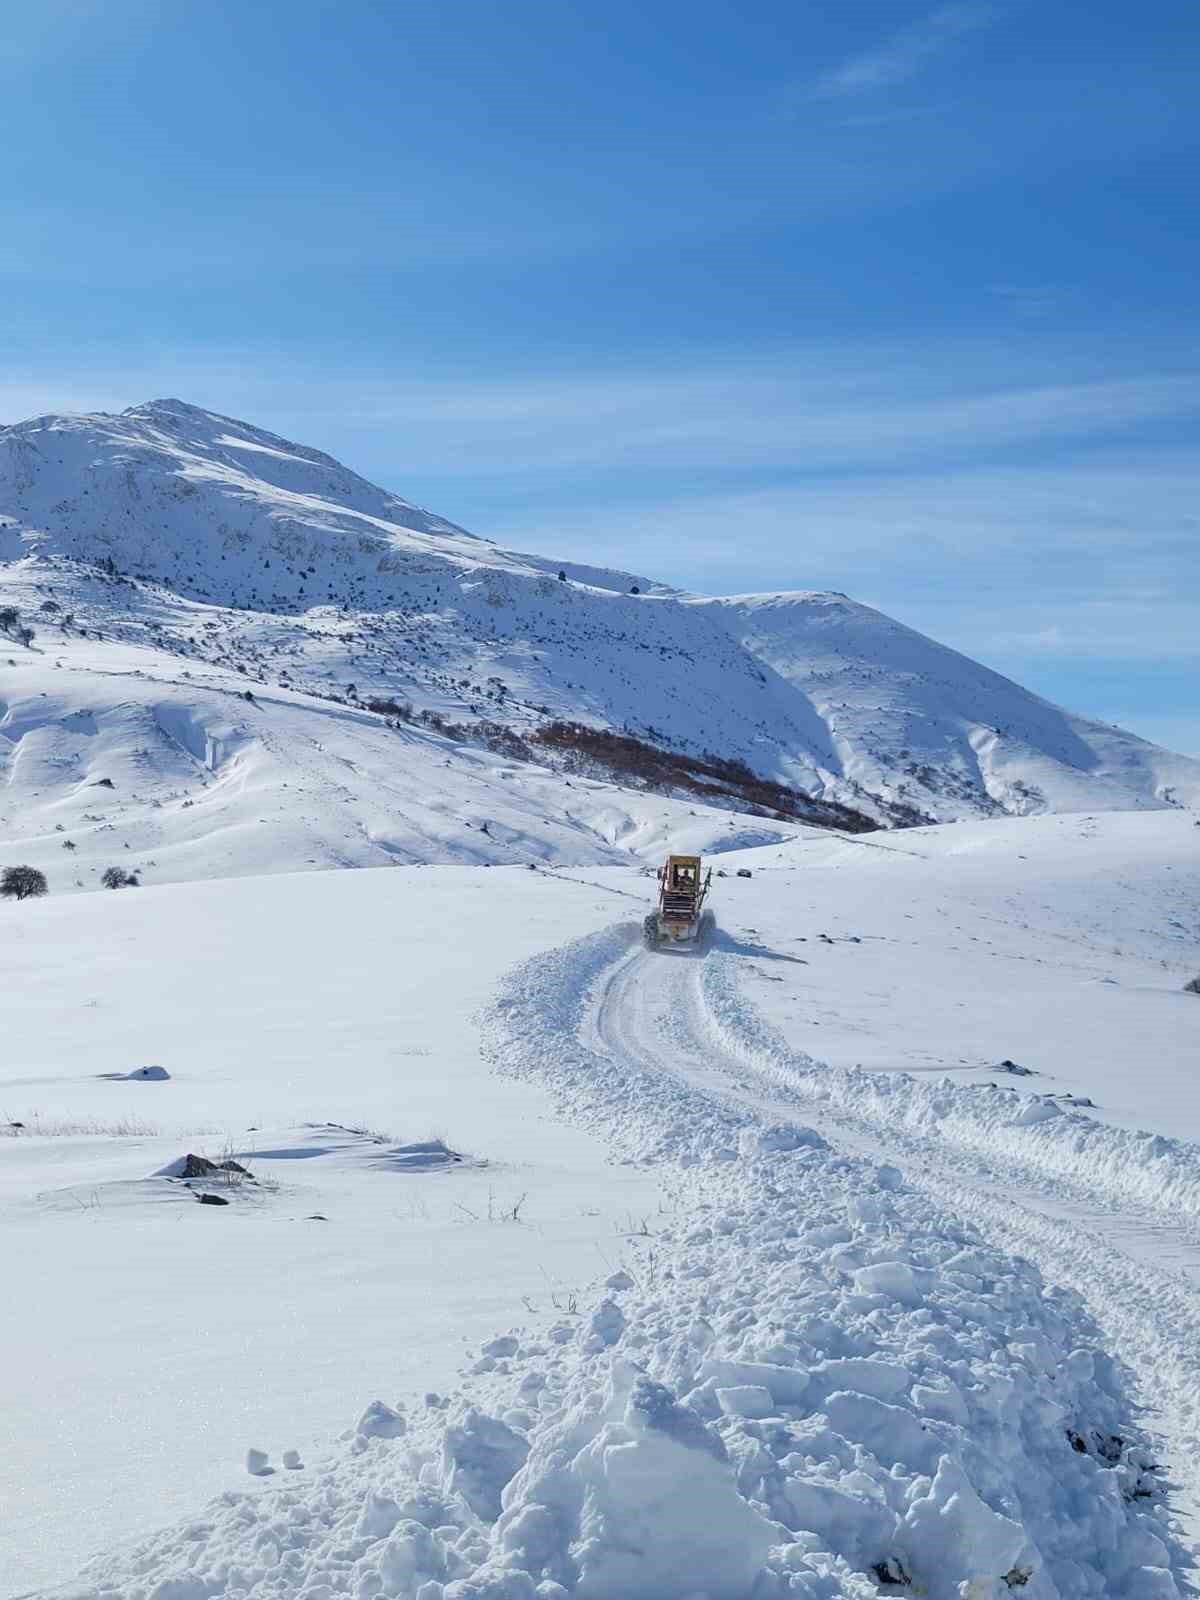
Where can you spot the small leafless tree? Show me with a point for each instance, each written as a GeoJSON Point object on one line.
{"type": "Point", "coordinates": [23, 883]}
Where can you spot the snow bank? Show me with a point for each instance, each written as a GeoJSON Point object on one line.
{"type": "Point", "coordinates": [805, 1383]}
{"type": "Point", "coordinates": [1063, 1146]}
{"type": "Point", "coordinates": [626, 1471]}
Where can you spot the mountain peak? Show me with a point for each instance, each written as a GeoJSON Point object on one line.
{"type": "Point", "coordinates": [170, 410]}
{"type": "Point", "coordinates": [169, 405]}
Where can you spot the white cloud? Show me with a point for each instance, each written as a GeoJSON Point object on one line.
{"type": "Point", "coordinates": [808, 414]}
{"type": "Point", "coordinates": [809, 411]}
{"type": "Point", "coordinates": [906, 53]}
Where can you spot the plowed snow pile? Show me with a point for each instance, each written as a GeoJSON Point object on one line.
{"type": "Point", "coordinates": [807, 1382]}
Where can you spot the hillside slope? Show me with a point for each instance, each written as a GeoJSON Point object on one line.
{"type": "Point", "coordinates": [111, 755]}
{"type": "Point", "coordinates": [913, 721]}
{"type": "Point", "coordinates": [225, 558]}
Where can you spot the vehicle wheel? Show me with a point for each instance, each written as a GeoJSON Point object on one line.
{"type": "Point", "coordinates": [706, 930]}
{"type": "Point", "coordinates": [650, 931]}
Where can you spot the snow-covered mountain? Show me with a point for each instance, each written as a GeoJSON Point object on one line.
{"type": "Point", "coordinates": [170, 561]}
{"type": "Point", "coordinates": [851, 1252]}
{"type": "Point", "coordinates": [911, 720]}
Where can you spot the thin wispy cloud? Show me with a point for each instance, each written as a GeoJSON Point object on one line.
{"type": "Point", "coordinates": [814, 411]}
{"type": "Point", "coordinates": [905, 54]}
{"type": "Point", "coordinates": [773, 418]}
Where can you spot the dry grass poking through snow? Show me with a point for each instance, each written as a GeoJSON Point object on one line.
{"type": "Point", "coordinates": [35, 1126]}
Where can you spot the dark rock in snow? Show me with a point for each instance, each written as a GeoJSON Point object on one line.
{"type": "Point", "coordinates": [202, 1167]}
{"type": "Point", "coordinates": [212, 1200]}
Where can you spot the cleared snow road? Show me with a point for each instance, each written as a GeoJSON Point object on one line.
{"type": "Point", "coordinates": [1137, 1269]}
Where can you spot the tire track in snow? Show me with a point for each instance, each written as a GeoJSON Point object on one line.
{"type": "Point", "coordinates": [652, 1010]}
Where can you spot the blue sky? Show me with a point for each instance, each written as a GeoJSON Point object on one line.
{"type": "Point", "coordinates": [884, 298]}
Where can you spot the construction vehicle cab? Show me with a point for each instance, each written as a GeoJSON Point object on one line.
{"type": "Point", "coordinates": [680, 916]}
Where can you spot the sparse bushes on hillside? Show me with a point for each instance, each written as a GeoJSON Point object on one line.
{"type": "Point", "coordinates": [118, 878]}
{"type": "Point", "coordinates": [497, 737]}
{"type": "Point", "coordinates": [401, 709]}
{"type": "Point", "coordinates": [711, 778]}
{"type": "Point", "coordinates": [23, 883]}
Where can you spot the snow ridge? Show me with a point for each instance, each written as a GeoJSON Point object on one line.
{"type": "Point", "coordinates": [1062, 1148]}
{"type": "Point", "coordinates": [805, 1216]}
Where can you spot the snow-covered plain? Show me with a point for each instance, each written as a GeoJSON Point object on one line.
{"type": "Point", "coordinates": [155, 1340]}
{"type": "Point", "coordinates": [856, 1370]}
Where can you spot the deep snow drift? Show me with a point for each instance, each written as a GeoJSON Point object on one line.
{"type": "Point", "coordinates": [211, 543]}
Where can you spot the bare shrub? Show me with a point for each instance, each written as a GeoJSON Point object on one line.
{"type": "Point", "coordinates": [400, 709]}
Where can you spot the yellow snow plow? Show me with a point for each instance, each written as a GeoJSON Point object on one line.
{"type": "Point", "coordinates": [680, 917]}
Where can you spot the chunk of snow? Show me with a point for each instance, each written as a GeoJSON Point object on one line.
{"type": "Point", "coordinates": [480, 1454]}
{"type": "Point", "coordinates": [746, 1400]}
{"type": "Point", "coordinates": [950, 1539]}
{"type": "Point", "coordinates": [1036, 1111]}
{"type": "Point", "coordinates": [895, 1279]}
{"type": "Point", "coordinates": [379, 1421]}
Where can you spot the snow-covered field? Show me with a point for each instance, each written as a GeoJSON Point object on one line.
{"type": "Point", "coordinates": [947, 1335]}
{"type": "Point", "coordinates": [157, 1340]}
